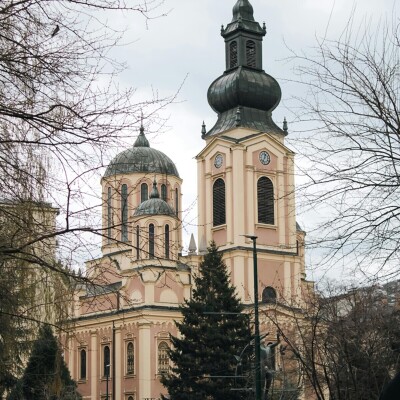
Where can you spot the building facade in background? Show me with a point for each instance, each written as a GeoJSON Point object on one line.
{"type": "Point", "coordinates": [119, 338]}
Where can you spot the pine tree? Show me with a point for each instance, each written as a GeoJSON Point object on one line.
{"type": "Point", "coordinates": [213, 330]}
{"type": "Point", "coordinates": [46, 376]}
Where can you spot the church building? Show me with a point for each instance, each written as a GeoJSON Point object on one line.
{"type": "Point", "coordinates": [117, 346]}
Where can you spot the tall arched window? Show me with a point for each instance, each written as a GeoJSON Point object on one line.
{"type": "Point", "coordinates": [265, 201]}
{"type": "Point", "coordinates": [83, 364]}
{"type": "Point", "coordinates": [109, 213]}
{"type": "Point", "coordinates": [124, 213]}
{"type": "Point", "coordinates": [130, 398]}
{"type": "Point", "coordinates": [130, 359]}
{"type": "Point", "coordinates": [164, 192]}
{"type": "Point", "coordinates": [251, 54]}
{"type": "Point", "coordinates": [219, 202]}
{"type": "Point", "coordinates": [163, 359]}
{"type": "Point", "coordinates": [144, 192]}
{"type": "Point", "coordinates": [269, 295]}
{"type": "Point", "coordinates": [166, 239]}
{"type": "Point", "coordinates": [233, 55]}
{"type": "Point", "coordinates": [151, 241]}
{"type": "Point", "coordinates": [106, 361]}
{"type": "Point", "coordinates": [176, 201]}
{"type": "Point", "coordinates": [137, 242]}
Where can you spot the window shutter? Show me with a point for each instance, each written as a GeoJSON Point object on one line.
{"type": "Point", "coordinates": [265, 201]}
{"type": "Point", "coordinates": [251, 53]}
{"type": "Point", "coordinates": [233, 55]}
{"type": "Point", "coordinates": [219, 202]}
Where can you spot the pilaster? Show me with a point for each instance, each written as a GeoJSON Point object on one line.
{"type": "Point", "coordinates": [144, 361]}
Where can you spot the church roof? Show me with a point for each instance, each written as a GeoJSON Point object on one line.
{"type": "Point", "coordinates": [154, 205]}
{"type": "Point", "coordinates": [141, 158]}
{"type": "Point", "coordinates": [244, 96]}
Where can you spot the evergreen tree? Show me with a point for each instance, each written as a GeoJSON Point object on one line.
{"type": "Point", "coordinates": [213, 330]}
{"type": "Point", "coordinates": [46, 376]}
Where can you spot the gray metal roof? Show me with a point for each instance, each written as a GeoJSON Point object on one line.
{"type": "Point", "coordinates": [243, 19]}
{"type": "Point", "coordinates": [244, 96]}
{"type": "Point", "coordinates": [155, 205]}
{"type": "Point", "coordinates": [141, 158]}
{"type": "Point", "coordinates": [249, 118]}
{"type": "Point", "coordinates": [244, 87]}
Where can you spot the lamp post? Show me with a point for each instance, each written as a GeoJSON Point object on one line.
{"type": "Point", "coordinates": [256, 322]}
{"type": "Point", "coordinates": [107, 376]}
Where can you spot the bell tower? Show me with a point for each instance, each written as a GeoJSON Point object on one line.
{"type": "Point", "coordinates": [245, 171]}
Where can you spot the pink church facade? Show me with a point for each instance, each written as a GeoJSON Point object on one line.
{"type": "Point", "coordinates": [118, 341]}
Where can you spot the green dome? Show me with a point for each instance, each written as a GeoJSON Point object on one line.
{"type": "Point", "coordinates": [244, 87]}
{"type": "Point", "coordinates": [141, 158]}
{"type": "Point", "coordinates": [154, 205]}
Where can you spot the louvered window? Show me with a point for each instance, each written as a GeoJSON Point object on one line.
{"type": "Point", "coordinates": [106, 361]}
{"type": "Point", "coordinates": [130, 359]}
{"type": "Point", "coordinates": [124, 213]}
{"type": "Point", "coordinates": [83, 364]}
{"type": "Point", "coordinates": [166, 234]}
{"type": "Point", "coordinates": [219, 202]}
{"type": "Point", "coordinates": [151, 241]}
{"type": "Point", "coordinates": [164, 192]}
{"type": "Point", "coordinates": [269, 295]}
{"type": "Point", "coordinates": [233, 55]}
{"type": "Point", "coordinates": [265, 201]}
{"type": "Point", "coordinates": [251, 53]}
{"type": "Point", "coordinates": [137, 242]}
{"type": "Point", "coordinates": [109, 213]}
{"type": "Point", "coordinates": [144, 192]}
{"type": "Point", "coordinates": [163, 359]}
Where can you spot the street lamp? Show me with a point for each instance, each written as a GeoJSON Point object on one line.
{"type": "Point", "coordinates": [256, 322]}
{"type": "Point", "coordinates": [107, 376]}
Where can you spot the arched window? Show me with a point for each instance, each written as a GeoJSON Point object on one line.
{"type": "Point", "coordinates": [106, 361]}
{"type": "Point", "coordinates": [151, 241]}
{"type": "Point", "coordinates": [144, 192]}
{"type": "Point", "coordinates": [269, 295]}
{"type": "Point", "coordinates": [164, 192]}
{"type": "Point", "coordinates": [163, 359]}
{"type": "Point", "coordinates": [109, 213]}
{"type": "Point", "coordinates": [233, 55]}
{"type": "Point", "coordinates": [124, 213]}
{"type": "Point", "coordinates": [83, 364]}
{"type": "Point", "coordinates": [219, 202]}
{"type": "Point", "coordinates": [130, 359]}
{"type": "Point", "coordinates": [166, 238]}
{"type": "Point", "coordinates": [137, 242]}
{"type": "Point", "coordinates": [265, 201]}
{"type": "Point", "coordinates": [130, 398]}
{"type": "Point", "coordinates": [251, 54]}
{"type": "Point", "coordinates": [176, 201]}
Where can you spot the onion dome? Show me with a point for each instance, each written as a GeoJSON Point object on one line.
{"type": "Point", "coordinates": [244, 10]}
{"type": "Point", "coordinates": [141, 158]}
{"type": "Point", "coordinates": [244, 95]}
{"type": "Point", "coordinates": [154, 205]}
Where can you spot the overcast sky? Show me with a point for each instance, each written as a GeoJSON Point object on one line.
{"type": "Point", "coordinates": [186, 46]}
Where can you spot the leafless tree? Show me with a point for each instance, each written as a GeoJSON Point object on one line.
{"type": "Point", "coordinates": [346, 342]}
{"type": "Point", "coordinates": [61, 111]}
{"type": "Point", "coordinates": [350, 106]}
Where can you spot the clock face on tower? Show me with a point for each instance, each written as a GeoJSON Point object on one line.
{"type": "Point", "coordinates": [218, 161]}
{"type": "Point", "coordinates": [264, 158]}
